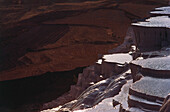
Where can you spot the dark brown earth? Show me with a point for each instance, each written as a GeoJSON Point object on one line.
{"type": "Point", "coordinates": [50, 36]}
{"type": "Point", "coordinates": [41, 37]}
{"type": "Point", "coordinates": [29, 94]}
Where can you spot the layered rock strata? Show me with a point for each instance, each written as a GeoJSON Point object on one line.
{"type": "Point", "coordinates": [149, 70]}
{"type": "Point", "coordinates": [39, 36]}
{"type": "Point", "coordinates": [153, 34]}
{"type": "Point", "coordinates": [104, 68]}
{"type": "Point", "coordinates": [155, 67]}
{"type": "Point", "coordinates": [148, 93]}
{"type": "Point", "coordinates": [34, 33]}
{"type": "Point", "coordinates": [166, 105]}
{"type": "Point", "coordinates": [97, 92]}
{"type": "Point", "coordinates": [148, 36]}
{"type": "Point", "coordinates": [114, 64]}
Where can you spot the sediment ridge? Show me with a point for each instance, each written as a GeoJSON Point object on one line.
{"type": "Point", "coordinates": [143, 74]}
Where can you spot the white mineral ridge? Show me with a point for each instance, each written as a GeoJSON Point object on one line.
{"type": "Point", "coordinates": [106, 104]}
{"type": "Point", "coordinates": [52, 110]}
{"type": "Point", "coordinates": [120, 58]}
{"type": "Point", "coordinates": [163, 53]}
{"type": "Point", "coordinates": [159, 63]}
{"type": "Point", "coordinates": [161, 10]}
{"type": "Point", "coordinates": [122, 97]}
{"type": "Point", "coordinates": [133, 109]}
{"type": "Point", "coordinates": [99, 61]}
{"type": "Point", "coordinates": [153, 86]}
{"type": "Point", "coordinates": [159, 21]}
{"type": "Point", "coordinates": [143, 100]}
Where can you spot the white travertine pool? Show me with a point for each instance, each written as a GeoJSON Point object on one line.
{"type": "Point", "coordinates": [159, 21]}
{"type": "Point", "coordinates": [153, 86]}
{"type": "Point", "coordinates": [159, 63]}
{"type": "Point", "coordinates": [120, 58]}
{"type": "Point", "coordinates": [162, 10]}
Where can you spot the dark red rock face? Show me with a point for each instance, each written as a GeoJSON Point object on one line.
{"type": "Point", "coordinates": [28, 41]}
{"type": "Point", "coordinates": [37, 38]}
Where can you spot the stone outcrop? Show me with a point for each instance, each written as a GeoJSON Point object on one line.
{"type": "Point", "coordinates": [147, 94]}
{"type": "Point", "coordinates": [114, 64]}
{"type": "Point", "coordinates": [85, 79]}
{"type": "Point", "coordinates": [150, 72]}
{"type": "Point", "coordinates": [152, 34]}
{"type": "Point", "coordinates": [76, 33]}
{"type": "Point", "coordinates": [109, 66]}
{"type": "Point", "coordinates": [155, 67]}
{"type": "Point", "coordinates": [166, 105]}
{"type": "Point", "coordinates": [149, 89]}
{"type": "Point", "coordinates": [97, 92]}
{"type": "Point", "coordinates": [38, 57]}
{"type": "Point", "coordinates": [144, 95]}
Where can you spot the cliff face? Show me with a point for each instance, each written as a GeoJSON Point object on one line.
{"type": "Point", "coordinates": [36, 38]}
{"type": "Point", "coordinates": [147, 86]}
{"type": "Point", "coordinates": [152, 34]}
{"type": "Point", "coordinates": [150, 39]}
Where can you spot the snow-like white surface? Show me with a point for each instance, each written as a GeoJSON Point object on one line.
{"type": "Point", "coordinates": [133, 109]}
{"type": "Point", "coordinates": [143, 100]}
{"type": "Point", "coordinates": [52, 110]}
{"type": "Point", "coordinates": [99, 61]}
{"type": "Point", "coordinates": [120, 58]}
{"type": "Point", "coordinates": [153, 86]}
{"type": "Point", "coordinates": [136, 110]}
{"type": "Point", "coordinates": [159, 21]}
{"type": "Point", "coordinates": [162, 10]}
{"type": "Point", "coordinates": [106, 104]}
{"type": "Point", "coordinates": [159, 63]}
{"type": "Point", "coordinates": [162, 53]}
{"type": "Point", "coordinates": [122, 97]}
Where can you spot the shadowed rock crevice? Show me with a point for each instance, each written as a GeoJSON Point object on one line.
{"type": "Point", "coordinates": [24, 93]}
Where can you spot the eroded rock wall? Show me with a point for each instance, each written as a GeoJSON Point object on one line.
{"type": "Point", "coordinates": [150, 39]}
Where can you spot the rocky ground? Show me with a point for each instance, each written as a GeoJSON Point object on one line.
{"type": "Point", "coordinates": [36, 38]}
{"type": "Point", "coordinates": [40, 37]}
{"type": "Point", "coordinates": [143, 88]}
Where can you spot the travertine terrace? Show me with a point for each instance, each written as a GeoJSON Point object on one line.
{"type": "Point", "coordinates": [147, 87]}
